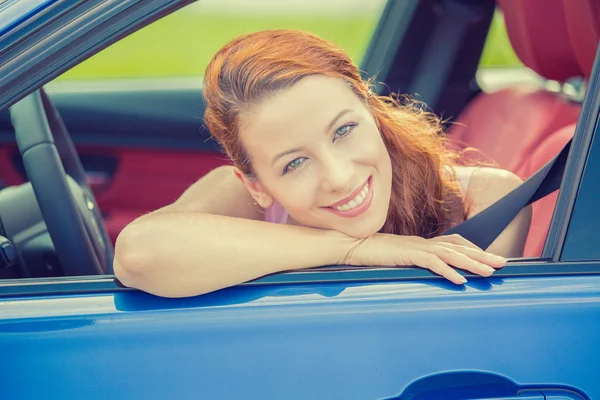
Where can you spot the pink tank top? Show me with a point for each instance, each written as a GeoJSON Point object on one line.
{"type": "Point", "coordinates": [277, 214]}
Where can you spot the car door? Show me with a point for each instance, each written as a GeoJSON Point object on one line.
{"type": "Point", "coordinates": [528, 332]}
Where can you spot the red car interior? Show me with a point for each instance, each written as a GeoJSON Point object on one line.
{"type": "Point", "coordinates": [522, 128]}
{"type": "Point", "coordinates": [147, 180]}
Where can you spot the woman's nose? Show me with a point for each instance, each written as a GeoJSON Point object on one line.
{"type": "Point", "coordinates": [337, 175]}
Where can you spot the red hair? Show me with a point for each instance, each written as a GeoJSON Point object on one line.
{"type": "Point", "coordinates": [425, 198]}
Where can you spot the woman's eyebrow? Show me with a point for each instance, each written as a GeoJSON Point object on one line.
{"type": "Point", "coordinates": [285, 153]}
{"type": "Point", "coordinates": [329, 126]}
{"type": "Point", "coordinates": [338, 116]}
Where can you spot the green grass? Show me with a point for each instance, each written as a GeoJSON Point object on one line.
{"type": "Point", "coordinates": [183, 43]}
{"type": "Point", "coordinates": [498, 51]}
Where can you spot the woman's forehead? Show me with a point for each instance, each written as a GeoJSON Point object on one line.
{"type": "Point", "coordinates": [306, 108]}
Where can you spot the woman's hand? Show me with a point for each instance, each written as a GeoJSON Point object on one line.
{"type": "Point", "coordinates": [440, 255]}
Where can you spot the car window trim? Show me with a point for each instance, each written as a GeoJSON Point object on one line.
{"type": "Point", "coordinates": [101, 23]}
{"type": "Point", "coordinates": [329, 274]}
{"type": "Point", "coordinates": [18, 12]}
{"type": "Point", "coordinates": [583, 139]}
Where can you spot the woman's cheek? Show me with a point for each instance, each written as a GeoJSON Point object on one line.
{"type": "Point", "coordinates": [369, 146]}
{"type": "Point", "coordinates": [298, 197]}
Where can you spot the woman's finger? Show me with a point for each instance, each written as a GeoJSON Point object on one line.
{"type": "Point", "coordinates": [476, 254]}
{"type": "Point", "coordinates": [462, 261]}
{"type": "Point", "coordinates": [437, 266]}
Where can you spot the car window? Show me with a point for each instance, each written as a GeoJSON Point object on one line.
{"type": "Point", "coordinates": [151, 171]}
{"type": "Point", "coordinates": [499, 66]}
{"type": "Point", "coordinates": [182, 44]}
{"type": "Point", "coordinates": [498, 52]}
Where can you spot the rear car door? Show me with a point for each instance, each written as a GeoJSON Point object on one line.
{"type": "Point", "coordinates": [528, 332]}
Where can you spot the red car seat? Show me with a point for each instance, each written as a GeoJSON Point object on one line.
{"type": "Point", "coordinates": [523, 128]}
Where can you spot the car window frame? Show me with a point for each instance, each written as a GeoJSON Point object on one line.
{"type": "Point", "coordinates": [67, 36]}
{"type": "Point", "coordinates": [18, 11]}
{"type": "Point", "coordinates": [563, 242]}
{"type": "Point", "coordinates": [64, 59]}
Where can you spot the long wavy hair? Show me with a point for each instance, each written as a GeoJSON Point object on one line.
{"type": "Point", "coordinates": [425, 198]}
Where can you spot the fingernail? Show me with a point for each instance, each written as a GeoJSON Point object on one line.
{"type": "Point", "coordinates": [489, 270]}
{"type": "Point", "coordinates": [500, 259]}
{"type": "Point", "coordinates": [462, 280]}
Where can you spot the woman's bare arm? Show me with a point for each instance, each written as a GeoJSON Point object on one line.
{"type": "Point", "coordinates": [219, 192]}
{"type": "Point", "coordinates": [212, 238]}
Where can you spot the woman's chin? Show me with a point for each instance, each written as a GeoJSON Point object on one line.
{"type": "Point", "coordinates": [361, 231]}
{"type": "Point", "coordinates": [358, 229]}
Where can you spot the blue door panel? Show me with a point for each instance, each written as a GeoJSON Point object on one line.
{"type": "Point", "coordinates": [298, 341]}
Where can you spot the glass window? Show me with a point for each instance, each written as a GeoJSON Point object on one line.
{"type": "Point", "coordinates": [498, 52]}
{"type": "Point", "coordinates": [499, 66]}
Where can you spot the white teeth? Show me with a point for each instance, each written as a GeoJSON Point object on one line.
{"type": "Point", "coordinates": [364, 192]}
{"type": "Point", "coordinates": [355, 202]}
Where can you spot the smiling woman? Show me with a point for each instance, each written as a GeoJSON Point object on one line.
{"type": "Point", "coordinates": [357, 178]}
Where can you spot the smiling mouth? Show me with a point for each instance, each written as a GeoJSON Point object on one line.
{"type": "Point", "coordinates": [355, 204]}
{"type": "Point", "coordinates": [354, 200]}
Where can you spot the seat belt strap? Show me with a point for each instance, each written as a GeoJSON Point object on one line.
{"type": "Point", "coordinates": [483, 228]}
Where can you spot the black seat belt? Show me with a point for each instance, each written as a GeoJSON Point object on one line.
{"type": "Point", "coordinates": [487, 225]}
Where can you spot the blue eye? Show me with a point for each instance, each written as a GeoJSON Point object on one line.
{"type": "Point", "coordinates": [293, 165]}
{"type": "Point", "coordinates": [343, 131]}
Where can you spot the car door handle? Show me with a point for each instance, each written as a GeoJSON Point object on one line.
{"type": "Point", "coordinates": [475, 385]}
{"type": "Point", "coordinates": [533, 396]}
{"type": "Point", "coordinates": [539, 396]}
{"type": "Point", "coordinates": [529, 396]}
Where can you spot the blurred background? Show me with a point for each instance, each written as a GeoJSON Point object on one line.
{"type": "Point", "coordinates": [165, 49]}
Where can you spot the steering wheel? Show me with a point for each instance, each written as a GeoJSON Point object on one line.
{"type": "Point", "coordinates": [59, 182]}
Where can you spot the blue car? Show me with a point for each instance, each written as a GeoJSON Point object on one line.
{"type": "Point", "coordinates": [77, 163]}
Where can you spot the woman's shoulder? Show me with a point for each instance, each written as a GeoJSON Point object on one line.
{"type": "Point", "coordinates": [462, 174]}
{"type": "Point", "coordinates": [219, 192]}
{"type": "Point", "coordinates": [486, 185]}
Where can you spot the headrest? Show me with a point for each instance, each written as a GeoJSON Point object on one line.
{"type": "Point", "coordinates": [583, 24]}
{"type": "Point", "coordinates": [538, 32]}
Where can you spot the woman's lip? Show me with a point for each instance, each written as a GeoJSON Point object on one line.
{"type": "Point", "coordinates": [359, 209]}
{"type": "Point", "coordinates": [352, 196]}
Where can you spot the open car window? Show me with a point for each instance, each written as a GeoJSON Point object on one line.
{"type": "Point", "coordinates": [134, 109]}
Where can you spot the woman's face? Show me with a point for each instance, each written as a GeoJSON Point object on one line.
{"type": "Point", "coordinates": [317, 151]}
